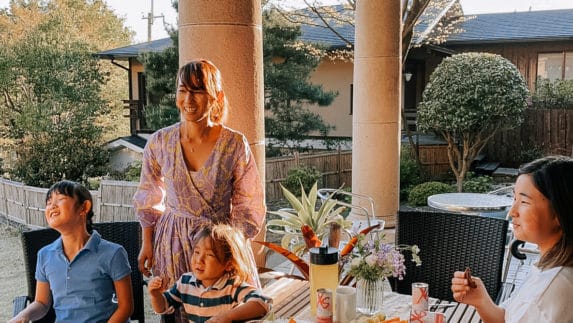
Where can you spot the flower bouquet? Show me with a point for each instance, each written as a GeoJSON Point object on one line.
{"type": "Point", "coordinates": [371, 262]}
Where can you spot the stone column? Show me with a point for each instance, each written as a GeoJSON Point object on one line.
{"type": "Point", "coordinates": [376, 119]}
{"type": "Point", "coordinates": [229, 33]}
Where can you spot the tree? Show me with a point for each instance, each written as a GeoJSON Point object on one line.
{"type": "Point", "coordinates": [287, 66]}
{"type": "Point", "coordinates": [160, 73]}
{"type": "Point", "coordinates": [90, 21]}
{"type": "Point", "coordinates": [51, 86]}
{"type": "Point", "coordinates": [469, 98]}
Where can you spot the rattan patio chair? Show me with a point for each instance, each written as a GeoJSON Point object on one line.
{"type": "Point", "coordinates": [127, 234]}
{"type": "Point", "coordinates": [451, 242]}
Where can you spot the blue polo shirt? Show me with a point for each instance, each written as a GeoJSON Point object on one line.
{"type": "Point", "coordinates": [82, 289]}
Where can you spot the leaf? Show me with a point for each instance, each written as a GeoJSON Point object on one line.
{"type": "Point", "coordinates": [296, 260]}
{"type": "Point", "coordinates": [293, 200]}
{"type": "Point", "coordinates": [350, 245]}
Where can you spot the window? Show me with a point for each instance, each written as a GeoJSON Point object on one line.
{"type": "Point", "coordinates": [351, 98]}
{"type": "Point", "coordinates": [555, 66]}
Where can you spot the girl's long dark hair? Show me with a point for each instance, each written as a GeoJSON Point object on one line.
{"type": "Point", "coordinates": [553, 177]}
{"type": "Point", "coordinates": [79, 193]}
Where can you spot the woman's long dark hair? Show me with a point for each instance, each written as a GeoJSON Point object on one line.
{"type": "Point", "coordinates": [553, 177]}
{"type": "Point", "coordinates": [79, 193]}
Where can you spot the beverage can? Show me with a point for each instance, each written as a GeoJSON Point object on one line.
{"type": "Point", "coordinates": [324, 305]}
{"type": "Point", "coordinates": [420, 297]}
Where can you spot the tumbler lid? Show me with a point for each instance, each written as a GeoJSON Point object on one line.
{"type": "Point", "coordinates": [323, 255]}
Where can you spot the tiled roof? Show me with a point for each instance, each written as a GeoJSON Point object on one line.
{"type": "Point", "coordinates": [326, 36]}
{"type": "Point", "coordinates": [134, 50]}
{"type": "Point", "coordinates": [135, 140]}
{"type": "Point", "coordinates": [529, 26]}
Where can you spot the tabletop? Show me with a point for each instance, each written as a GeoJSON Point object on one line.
{"type": "Point", "coordinates": [470, 202]}
{"type": "Point", "coordinates": [291, 298]}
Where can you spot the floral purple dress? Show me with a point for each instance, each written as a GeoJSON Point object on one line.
{"type": "Point", "coordinates": [176, 201]}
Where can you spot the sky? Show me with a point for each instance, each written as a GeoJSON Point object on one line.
{"type": "Point", "coordinates": [136, 11]}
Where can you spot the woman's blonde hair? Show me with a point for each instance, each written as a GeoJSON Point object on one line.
{"type": "Point", "coordinates": [229, 244]}
{"type": "Point", "coordinates": [203, 75]}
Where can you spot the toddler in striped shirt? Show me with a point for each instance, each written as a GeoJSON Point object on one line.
{"type": "Point", "coordinates": [218, 288]}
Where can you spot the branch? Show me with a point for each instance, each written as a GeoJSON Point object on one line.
{"type": "Point", "coordinates": [437, 19]}
{"type": "Point", "coordinates": [413, 14]}
{"type": "Point", "coordinates": [452, 150]}
{"type": "Point", "coordinates": [327, 24]}
{"type": "Point", "coordinates": [9, 102]}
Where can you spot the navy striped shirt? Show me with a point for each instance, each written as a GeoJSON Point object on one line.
{"type": "Point", "coordinates": [201, 303]}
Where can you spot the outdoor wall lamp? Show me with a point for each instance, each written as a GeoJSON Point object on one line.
{"type": "Point", "coordinates": [407, 76]}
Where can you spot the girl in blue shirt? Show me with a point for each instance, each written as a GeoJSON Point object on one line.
{"type": "Point", "coordinates": [84, 277]}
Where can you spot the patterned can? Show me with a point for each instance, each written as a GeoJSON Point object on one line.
{"type": "Point", "coordinates": [420, 297]}
{"type": "Point", "coordinates": [324, 305]}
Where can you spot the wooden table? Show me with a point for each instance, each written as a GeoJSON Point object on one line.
{"type": "Point", "coordinates": [291, 298]}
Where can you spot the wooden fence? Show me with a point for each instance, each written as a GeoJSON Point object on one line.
{"type": "Point", "coordinates": [25, 205]}
{"type": "Point", "coordinates": [113, 200]}
{"type": "Point", "coordinates": [336, 169]}
{"type": "Point", "coordinates": [550, 131]}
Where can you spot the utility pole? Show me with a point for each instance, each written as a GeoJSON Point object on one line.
{"type": "Point", "coordinates": [150, 18]}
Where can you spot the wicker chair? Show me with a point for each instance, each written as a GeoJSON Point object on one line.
{"type": "Point", "coordinates": [127, 234]}
{"type": "Point", "coordinates": [449, 242]}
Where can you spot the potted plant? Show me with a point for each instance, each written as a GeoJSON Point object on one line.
{"type": "Point", "coordinates": [304, 218]}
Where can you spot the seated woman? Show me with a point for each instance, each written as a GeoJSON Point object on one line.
{"type": "Point", "coordinates": [542, 213]}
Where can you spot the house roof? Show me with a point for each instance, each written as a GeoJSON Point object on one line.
{"type": "Point", "coordinates": [528, 26]}
{"type": "Point", "coordinates": [133, 142]}
{"type": "Point", "coordinates": [123, 53]}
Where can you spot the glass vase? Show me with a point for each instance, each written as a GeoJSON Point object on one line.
{"type": "Point", "coordinates": [369, 295]}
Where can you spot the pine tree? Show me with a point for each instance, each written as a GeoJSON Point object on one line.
{"type": "Point", "coordinates": [288, 64]}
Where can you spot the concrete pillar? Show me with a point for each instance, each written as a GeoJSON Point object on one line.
{"type": "Point", "coordinates": [376, 119]}
{"type": "Point", "coordinates": [229, 33]}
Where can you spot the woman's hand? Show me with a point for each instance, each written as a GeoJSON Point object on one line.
{"type": "Point", "coordinates": [145, 259]}
{"type": "Point", "coordinates": [463, 293]}
{"type": "Point", "coordinates": [477, 297]}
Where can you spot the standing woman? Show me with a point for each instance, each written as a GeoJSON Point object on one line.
{"type": "Point", "coordinates": [195, 172]}
{"type": "Point", "coordinates": [542, 213]}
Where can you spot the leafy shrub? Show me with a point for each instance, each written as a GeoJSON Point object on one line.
{"type": "Point", "coordinates": [470, 96]}
{"type": "Point", "coordinates": [477, 184]}
{"type": "Point", "coordinates": [409, 171]}
{"type": "Point", "coordinates": [272, 151]}
{"type": "Point", "coordinates": [132, 173]}
{"type": "Point", "coordinates": [556, 94]}
{"type": "Point", "coordinates": [530, 153]}
{"type": "Point", "coordinates": [304, 175]}
{"type": "Point", "coordinates": [419, 193]}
